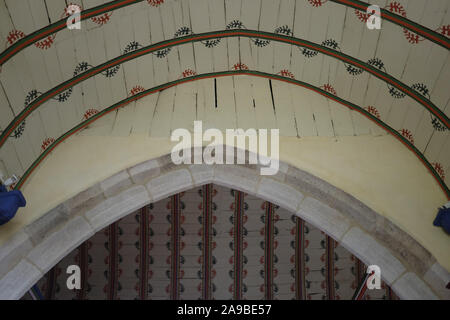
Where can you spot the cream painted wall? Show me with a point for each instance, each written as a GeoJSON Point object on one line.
{"type": "Point", "coordinates": [378, 171]}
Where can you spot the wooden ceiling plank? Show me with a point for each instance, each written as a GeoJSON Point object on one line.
{"type": "Point", "coordinates": [14, 91]}
{"type": "Point", "coordinates": [144, 111]}
{"type": "Point", "coordinates": [71, 110]}
{"type": "Point", "coordinates": [55, 9]}
{"type": "Point", "coordinates": [162, 119]}
{"type": "Point", "coordinates": [265, 114]}
{"type": "Point", "coordinates": [322, 115]}
{"type": "Point", "coordinates": [250, 17]}
{"type": "Point", "coordinates": [113, 49]}
{"type": "Point", "coordinates": [39, 13]}
{"type": "Point", "coordinates": [124, 120]}
{"type": "Point", "coordinates": [283, 52]}
{"type": "Point", "coordinates": [268, 22]}
{"type": "Point", "coordinates": [435, 145]}
{"type": "Point", "coordinates": [184, 112]}
{"type": "Point", "coordinates": [6, 114]}
{"type": "Point", "coordinates": [350, 43]}
{"type": "Point", "coordinates": [126, 36]}
{"type": "Point", "coordinates": [200, 23]}
{"type": "Point", "coordinates": [10, 159]}
{"type": "Point", "coordinates": [317, 32]}
{"type": "Point", "coordinates": [217, 22]}
{"type": "Point", "coordinates": [50, 116]}
{"type": "Point", "coordinates": [145, 67]}
{"type": "Point", "coordinates": [443, 158]}
{"type": "Point", "coordinates": [186, 51]}
{"type": "Point", "coordinates": [284, 115]}
{"type": "Point", "coordinates": [225, 113]}
{"type": "Point", "coordinates": [200, 107]}
{"type": "Point", "coordinates": [343, 122]}
{"type": "Point", "coordinates": [35, 132]}
{"type": "Point", "coordinates": [245, 110]}
{"type": "Point", "coordinates": [21, 15]}
{"type": "Point", "coordinates": [88, 87]}
{"type": "Point", "coordinates": [97, 55]}
{"type": "Point", "coordinates": [25, 151]}
{"type": "Point", "coordinates": [334, 31]}
{"type": "Point", "coordinates": [6, 22]}
{"type": "Point", "coordinates": [440, 95]}
{"type": "Point", "coordinates": [169, 32]}
{"type": "Point", "coordinates": [306, 126]}
{"type": "Point", "coordinates": [160, 65]}
{"type": "Point", "coordinates": [100, 127]}
{"type": "Point", "coordinates": [233, 12]}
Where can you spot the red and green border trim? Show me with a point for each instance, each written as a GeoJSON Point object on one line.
{"type": "Point", "coordinates": [401, 21]}
{"type": "Point", "coordinates": [299, 83]}
{"type": "Point", "coordinates": [60, 25]}
{"type": "Point", "coordinates": [114, 5]}
{"type": "Point", "coordinates": [426, 103]}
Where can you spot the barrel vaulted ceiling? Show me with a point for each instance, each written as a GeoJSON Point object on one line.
{"type": "Point", "coordinates": [308, 67]}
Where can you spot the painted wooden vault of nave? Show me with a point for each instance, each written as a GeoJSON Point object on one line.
{"type": "Point", "coordinates": [419, 64]}
{"type": "Point", "coordinates": [194, 238]}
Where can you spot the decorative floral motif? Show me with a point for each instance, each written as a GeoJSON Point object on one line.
{"type": "Point", "coordinates": [397, 8]}
{"type": "Point", "coordinates": [18, 132]}
{"type": "Point", "coordinates": [240, 66]}
{"type": "Point", "coordinates": [379, 64]}
{"type": "Point", "coordinates": [102, 19]}
{"type": "Point", "coordinates": [408, 135]}
{"type": "Point", "coordinates": [236, 24]}
{"type": "Point", "coordinates": [89, 113]}
{"type": "Point", "coordinates": [47, 142]}
{"type": "Point", "coordinates": [374, 111]}
{"type": "Point", "coordinates": [317, 3]}
{"type": "Point", "coordinates": [136, 90]}
{"type": "Point", "coordinates": [439, 169]}
{"type": "Point", "coordinates": [155, 3]}
{"type": "Point", "coordinates": [308, 52]}
{"type": "Point", "coordinates": [14, 36]}
{"type": "Point", "coordinates": [362, 16]}
{"type": "Point", "coordinates": [189, 73]}
{"type": "Point", "coordinates": [444, 30]}
{"type": "Point", "coordinates": [81, 67]}
{"type": "Point", "coordinates": [33, 94]}
{"type": "Point", "coordinates": [211, 43]}
{"type": "Point", "coordinates": [437, 124]}
{"type": "Point", "coordinates": [329, 88]}
{"type": "Point", "coordinates": [422, 89]}
{"type": "Point", "coordinates": [183, 31]}
{"type": "Point", "coordinates": [284, 30]}
{"type": "Point", "coordinates": [46, 43]}
{"type": "Point", "coordinates": [286, 73]}
{"type": "Point", "coordinates": [111, 72]}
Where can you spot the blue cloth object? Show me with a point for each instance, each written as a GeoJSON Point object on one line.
{"type": "Point", "coordinates": [9, 204]}
{"type": "Point", "coordinates": [443, 219]}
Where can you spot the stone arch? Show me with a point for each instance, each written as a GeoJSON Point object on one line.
{"type": "Point", "coordinates": [406, 266]}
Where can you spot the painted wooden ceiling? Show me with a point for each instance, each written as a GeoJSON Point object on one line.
{"type": "Point", "coordinates": [275, 256]}
{"type": "Point", "coordinates": [308, 67]}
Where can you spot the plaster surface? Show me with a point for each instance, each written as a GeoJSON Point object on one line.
{"type": "Point", "coordinates": [378, 171]}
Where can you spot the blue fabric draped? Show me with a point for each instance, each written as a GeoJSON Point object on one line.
{"type": "Point", "coordinates": [9, 204]}
{"type": "Point", "coordinates": [443, 219]}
